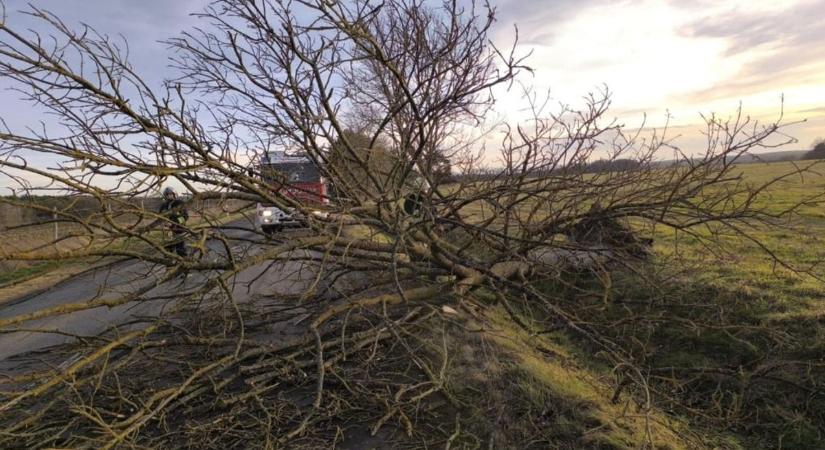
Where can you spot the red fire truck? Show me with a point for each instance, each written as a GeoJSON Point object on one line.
{"type": "Point", "coordinates": [296, 177]}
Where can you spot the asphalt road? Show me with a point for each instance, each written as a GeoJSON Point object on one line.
{"type": "Point", "coordinates": [32, 340]}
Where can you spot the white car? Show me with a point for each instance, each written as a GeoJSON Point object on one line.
{"type": "Point", "coordinates": [271, 219]}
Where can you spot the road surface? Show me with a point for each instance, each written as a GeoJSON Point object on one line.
{"type": "Point", "coordinates": [31, 341]}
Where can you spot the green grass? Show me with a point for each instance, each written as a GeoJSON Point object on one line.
{"type": "Point", "coordinates": [25, 273]}
{"type": "Point", "coordinates": [758, 324]}
{"type": "Point", "coordinates": [526, 391]}
{"type": "Point", "coordinates": [770, 385]}
{"type": "Point", "coordinates": [796, 241]}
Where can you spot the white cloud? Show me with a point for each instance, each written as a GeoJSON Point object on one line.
{"type": "Point", "coordinates": [684, 57]}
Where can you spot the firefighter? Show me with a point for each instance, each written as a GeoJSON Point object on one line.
{"type": "Point", "coordinates": [174, 210]}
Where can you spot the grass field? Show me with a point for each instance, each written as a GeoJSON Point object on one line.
{"type": "Point", "coordinates": [797, 243]}
{"type": "Point", "coordinates": [738, 336]}
{"type": "Point", "coordinates": [732, 343]}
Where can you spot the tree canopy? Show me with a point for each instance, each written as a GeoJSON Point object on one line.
{"type": "Point", "coordinates": [817, 152]}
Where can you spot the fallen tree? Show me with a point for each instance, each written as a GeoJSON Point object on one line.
{"type": "Point", "coordinates": [224, 365]}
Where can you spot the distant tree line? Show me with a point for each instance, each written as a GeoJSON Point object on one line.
{"type": "Point", "coordinates": [818, 150]}
{"type": "Point", "coordinates": [612, 165]}
{"type": "Point", "coordinates": [598, 166]}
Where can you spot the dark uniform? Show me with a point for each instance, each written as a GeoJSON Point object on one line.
{"type": "Point", "coordinates": [175, 212]}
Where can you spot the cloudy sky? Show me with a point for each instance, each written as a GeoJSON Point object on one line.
{"type": "Point", "coordinates": [685, 57]}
